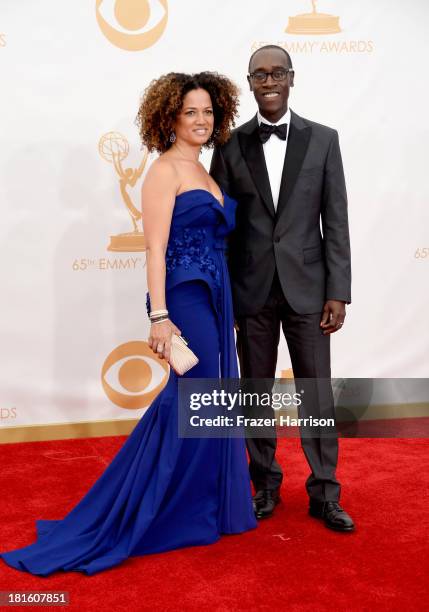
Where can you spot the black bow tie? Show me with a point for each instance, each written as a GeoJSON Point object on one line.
{"type": "Point", "coordinates": [265, 131]}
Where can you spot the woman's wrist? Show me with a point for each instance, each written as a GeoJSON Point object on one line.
{"type": "Point", "coordinates": [163, 320]}
{"type": "Point", "coordinates": [161, 311]}
{"type": "Point", "coordinates": [157, 316]}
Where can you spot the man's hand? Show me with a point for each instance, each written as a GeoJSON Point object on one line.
{"type": "Point", "coordinates": [334, 313]}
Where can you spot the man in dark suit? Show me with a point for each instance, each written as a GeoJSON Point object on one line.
{"type": "Point", "coordinates": [286, 271]}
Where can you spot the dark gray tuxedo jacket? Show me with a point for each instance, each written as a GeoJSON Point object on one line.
{"type": "Point", "coordinates": [307, 238]}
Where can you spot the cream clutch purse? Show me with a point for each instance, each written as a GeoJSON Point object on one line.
{"type": "Point", "coordinates": [182, 358]}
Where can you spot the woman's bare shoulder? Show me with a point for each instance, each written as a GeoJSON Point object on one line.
{"type": "Point", "coordinates": [163, 168]}
{"type": "Point", "coordinates": [161, 182]}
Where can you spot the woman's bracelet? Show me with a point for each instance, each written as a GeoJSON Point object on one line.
{"type": "Point", "coordinates": [157, 312]}
{"type": "Point", "coordinates": [156, 315]}
{"type": "Point", "coordinates": [159, 320]}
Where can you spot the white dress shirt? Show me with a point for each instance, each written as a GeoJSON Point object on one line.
{"type": "Point", "coordinates": [275, 152]}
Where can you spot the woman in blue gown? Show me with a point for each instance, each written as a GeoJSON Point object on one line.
{"type": "Point", "coordinates": [162, 492]}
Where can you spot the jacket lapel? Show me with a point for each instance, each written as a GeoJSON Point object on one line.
{"type": "Point", "coordinates": [297, 145]}
{"type": "Point", "coordinates": [253, 153]}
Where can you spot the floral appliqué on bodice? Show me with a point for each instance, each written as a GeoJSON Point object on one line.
{"type": "Point", "coordinates": [186, 247]}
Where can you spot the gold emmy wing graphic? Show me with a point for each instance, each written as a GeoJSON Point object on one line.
{"type": "Point", "coordinates": [114, 148]}
{"type": "Point", "coordinates": [313, 23]}
{"type": "Point", "coordinates": [132, 375]}
{"type": "Point", "coordinates": [132, 25]}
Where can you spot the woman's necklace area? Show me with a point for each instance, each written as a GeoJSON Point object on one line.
{"type": "Point", "coordinates": [200, 165]}
{"type": "Point", "coordinates": [188, 159]}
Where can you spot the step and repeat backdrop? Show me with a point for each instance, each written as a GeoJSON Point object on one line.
{"type": "Point", "coordinates": [73, 324]}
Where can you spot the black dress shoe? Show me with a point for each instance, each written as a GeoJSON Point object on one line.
{"type": "Point", "coordinates": [258, 498]}
{"type": "Point", "coordinates": [332, 514]}
{"type": "Point", "coordinates": [264, 502]}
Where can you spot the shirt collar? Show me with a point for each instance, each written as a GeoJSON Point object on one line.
{"type": "Point", "coordinates": [284, 119]}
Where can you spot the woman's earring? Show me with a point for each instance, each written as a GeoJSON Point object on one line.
{"type": "Point", "coordinates": [172, 137]}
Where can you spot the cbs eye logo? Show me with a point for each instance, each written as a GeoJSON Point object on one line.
{"type": "Point", "coordinates": [132, 375]}
{"type": "Point", "coordinates": [132, 25]}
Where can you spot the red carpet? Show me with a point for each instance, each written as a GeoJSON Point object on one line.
{"type": "Point", "coordinates": [290, 562]}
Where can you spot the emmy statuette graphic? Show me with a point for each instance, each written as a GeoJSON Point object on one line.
{"type": "Point", "coordinates": [313, 23]}
{"type": "Point", "coordinates": [114, 148]}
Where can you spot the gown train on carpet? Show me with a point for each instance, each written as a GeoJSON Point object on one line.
{"type": "Point", "coordinates": [161, 492]}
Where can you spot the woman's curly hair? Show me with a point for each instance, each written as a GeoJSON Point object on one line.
{"type": "Point", "coordinates": [163, 100]}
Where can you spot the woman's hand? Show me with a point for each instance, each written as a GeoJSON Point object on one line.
{"type": "Point", "coordinates": [160, 338]}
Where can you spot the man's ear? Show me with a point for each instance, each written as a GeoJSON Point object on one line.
{"type": "Point", "coordinates": [250, 83]}
{"type": "Point", "coordinates": [291, 78]}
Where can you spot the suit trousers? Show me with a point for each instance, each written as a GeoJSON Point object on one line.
{"type": "Point", "coordinates": [257, 346]}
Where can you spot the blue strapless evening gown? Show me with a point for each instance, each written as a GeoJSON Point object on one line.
{"type": "Point", "coordinates": [162, 492]}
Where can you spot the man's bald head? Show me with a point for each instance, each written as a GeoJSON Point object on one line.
{"type": "Point", "coordinates": [270, 48]}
